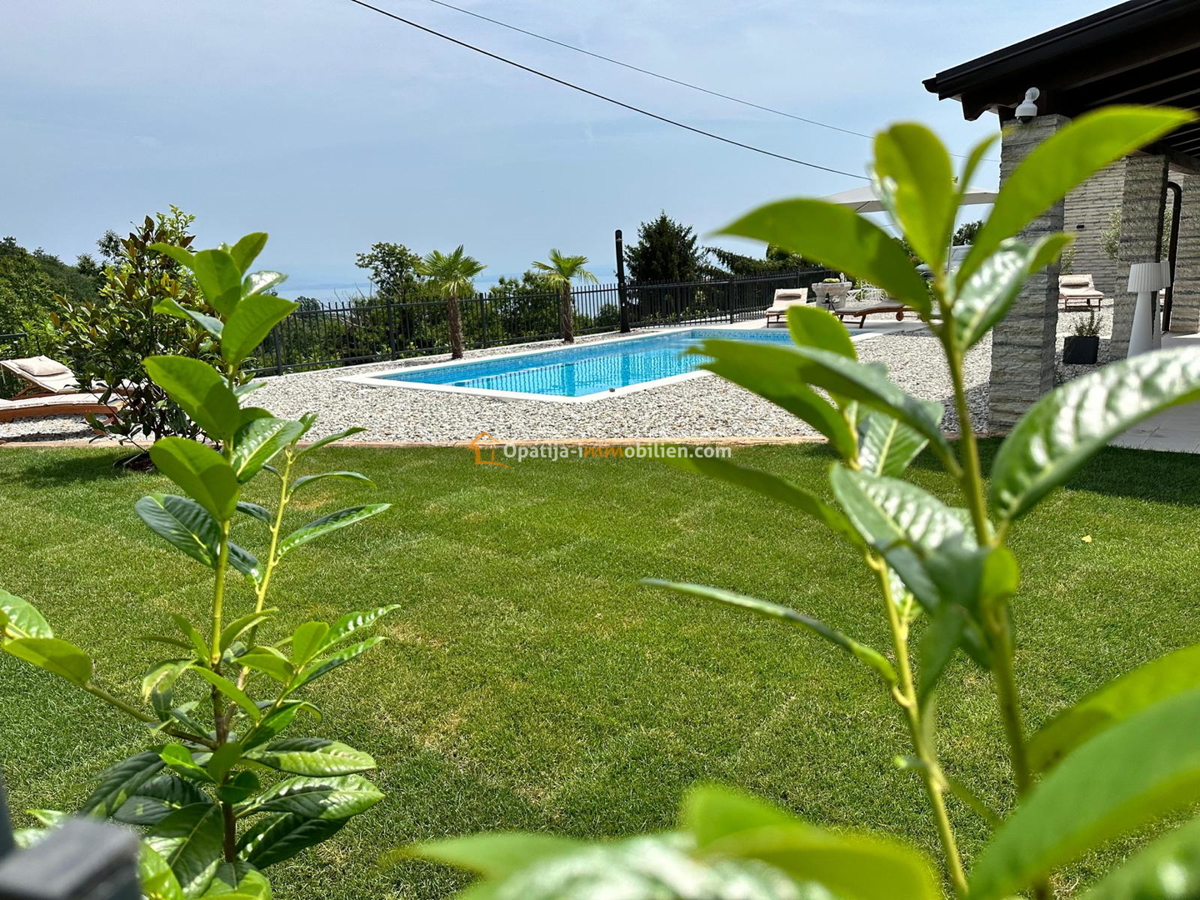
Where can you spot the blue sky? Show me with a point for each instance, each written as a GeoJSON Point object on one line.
{"type": "Point", "coordinates": [332, 127]}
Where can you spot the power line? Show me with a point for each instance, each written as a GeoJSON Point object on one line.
{"type": "Point", "coordinates": [660, 76]}
{"type": "Point", "coordinates": [599, 96]}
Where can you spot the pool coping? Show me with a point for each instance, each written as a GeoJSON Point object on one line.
{"type": "Point", "coordinates": [379, 379]}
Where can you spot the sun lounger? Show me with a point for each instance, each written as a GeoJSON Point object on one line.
{"type": "Point", "coordinates": [1078, 289]}
{"type": "Point", "coordinates": [861, 312]}
{"type": "Point", "coordinates": [58, 405]}
{"type": "Point", "coordinates": [785, 298]}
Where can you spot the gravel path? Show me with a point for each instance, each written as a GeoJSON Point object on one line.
{"type": "Point", "coordinates": [696, 408]}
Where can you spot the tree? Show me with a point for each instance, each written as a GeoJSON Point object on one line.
{"type": "Point", "coordinates": [776, 261]}
{"type": "Point", "coordinates": [393, 269]}
{"type": "Point", "coordinates": [107, 336]}
{"type": "Point", "coordinates": [560, 272]}
{"type": "Point", "coordinates": [665, 251]}
{"type": "Point", "coordinates": [965, 234]}
{"type": "Point", "coordinates": [452, 275]}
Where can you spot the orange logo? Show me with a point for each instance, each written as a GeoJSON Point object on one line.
{"type": "Point", "coordinates": [483, 444]}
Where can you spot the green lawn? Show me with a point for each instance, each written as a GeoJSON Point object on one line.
{"type": "Point", "coordinates": [531, 682]}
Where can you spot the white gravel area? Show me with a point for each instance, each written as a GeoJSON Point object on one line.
{"type": "Point", "coordinates": [705, 407]}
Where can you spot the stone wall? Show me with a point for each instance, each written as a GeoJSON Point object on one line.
{"type": "Point", "coordinates": [1185, 307]}
{"type": "Point", "coordinates": [1088, 211]}
{"type": "Point", "coordinates": [1141, 237]}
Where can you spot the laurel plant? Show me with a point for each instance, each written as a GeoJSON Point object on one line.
{"type": "Point", "coordinates": [221, 792]}
{"type": "Point", "coordinates": [1121, 758]}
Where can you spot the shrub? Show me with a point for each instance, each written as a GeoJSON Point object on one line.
{"type": "Point", "coordinates": [105, 337]}
{"type": "Point", "coordinates": [218, 707]}
{"type": "Point", "coordinates": [1119, 759]}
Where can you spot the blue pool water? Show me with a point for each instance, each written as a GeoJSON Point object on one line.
{"type": "Point", "coordinates": [588, 368]}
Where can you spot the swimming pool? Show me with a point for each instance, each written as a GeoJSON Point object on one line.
{"type": "Point", "coordinates": [575, 373]}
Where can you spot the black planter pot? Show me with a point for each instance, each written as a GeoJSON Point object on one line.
{"type": "Point", "coordinates": [1080, 351]}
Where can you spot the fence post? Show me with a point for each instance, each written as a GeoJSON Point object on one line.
{"type": "Point", "coordinates": [622, 296]}
{"type": "Point", "coordinates": [391, 326]}
{"type": "Point", "coordinates": [278, 351]}
{"type": "Point", "coordinates": [483, 317]}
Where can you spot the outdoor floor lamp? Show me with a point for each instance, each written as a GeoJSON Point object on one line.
{"type": "Point", "coordinates": [1145, 280]}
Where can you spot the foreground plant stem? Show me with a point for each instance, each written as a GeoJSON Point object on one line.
{"type": "Point", "coordinates": [905, 695]}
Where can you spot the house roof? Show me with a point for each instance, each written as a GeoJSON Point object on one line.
{"type": "Point", "coordinates": [1140, 51]}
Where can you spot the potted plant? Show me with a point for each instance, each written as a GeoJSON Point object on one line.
{"type": "Point", "coordinates": [1082, 347]}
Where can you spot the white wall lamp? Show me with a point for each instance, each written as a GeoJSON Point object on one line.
{"type": "Point", "coordinates": [1027, 109]}
{"type": "Point", "coordinates": [1145, 280]}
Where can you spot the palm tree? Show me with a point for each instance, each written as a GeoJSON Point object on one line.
{"type": "Point", "coordinates": [560, 272]}
{"type": "Point", "coordinates": [452, 274]}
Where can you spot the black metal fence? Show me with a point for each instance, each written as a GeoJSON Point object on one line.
{"type": "Point", "coordinates": [371, 330]}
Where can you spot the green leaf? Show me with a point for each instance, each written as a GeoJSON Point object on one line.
{"type": "Point", "coordinates": [200, 390]}
{"type": "Point", "coordinates": [223, 759]}
{"type": "Point", "coordinates": [775, 488]}
{"type": "Point", "coordinates": [495, 855]}
{"type": "Point", "coordinates": [328, 524]}
{"type": "Point", "coordinates": [989, 293]}
{"type": "Point", "coordinates": [354, 622]}
{"type": "Point", "coordinates": [863, 653]}
{"type": "Point", "coordinates": [326, 665]}
{"type": "Point", "coordinates": [774, 373]}
{"type": "Point", "coordinates": [1167, 869]}
{"type": "Point", "coordinates": [182, 523]}
{"type": "Point", "coordinates": [838, 238]}
{"type": "Point", "coordinates": [1114, 702]}
{"type": "Point", "coordinates": [118, 783]}
{"type": "Point", "coordinates": [905, 525]}
{"type": "Point", "coordinates": [220, 279]}
{"type": "Point", "coordinates": [330, 439]}
{"type": "Point", "coordinates": [309, 479]}
{"type": "Point", "coordinates": [202, 473]}
{"type": "Point", "coordinates": [258, 441]}
{"type": "Point", "coordinates": [973, 161]}
{"type": "Point", "coordinates": [178, 759]}
{"type": "Point", "coordinates": [811, 326]}
{"type": "Point", "coordinates": [246, 250]}
{"type": "Point", "coordinates": [317, 798]}
{"type": "Point", "coordinates": [713, 811]}
{"type": "Point", "coordinates": [157, 880]}
{"type": "Point", "coordinates": [888, 447]}
{"type": "Point", "coordinates": [280, 836]}
{"type": "Point", "coordinates": [250, 324]}
{"type": "Point", "coordinates": [269, 661]}
{"type": "Point", "coordinates": [162, 676]}
{"type": "Point", "coordinates": [275, 723]}
{"type": "Point", "coordinates": [53, 655]}
{"type": "Point", "coordinates": [943, 636]}
{"type": "Point", "coordinates": [307, 641]}
{"type": "Point", "coordinates": [916, 168]}
{"type": "Point", "coordinates": [254, 511]}
{"type": "Point", "coordinates": [172, 307]}
{"type": "Point", "coordinates": [20, 619]}
{"type": "Point", "coordinates": [157, 799]}
{"type": "Point", "coordinates": [1063, 161]}
{"type": "Point", "coordinates": [1067, 426]}
{"type": "Point", "coordinates": [869, 385]}
{"type": "Point", "coordinates": [239, 788]}
{"type": "Point", "coordinates": [191, 841]}
{"type": "Point", "coordinates": [245, 562]}
{"type": "Point", "coordinates": [257, 282]}
{"type": "Point", "coordinates": [198, 644]}
{"type": "Point", "coordinates": [241, 625]}
{"type": "Point", "coordinates": [239, 880]}
{"type": "Point", "coordinates": [311, 756]}
{"type": "Point", "coordinates": [232, 691]}
{"type": "Point", "coordinates": [1136, 771]}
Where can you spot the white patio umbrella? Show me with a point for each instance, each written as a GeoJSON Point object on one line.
{"type": "Point", "coordinates": [863, 199]}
